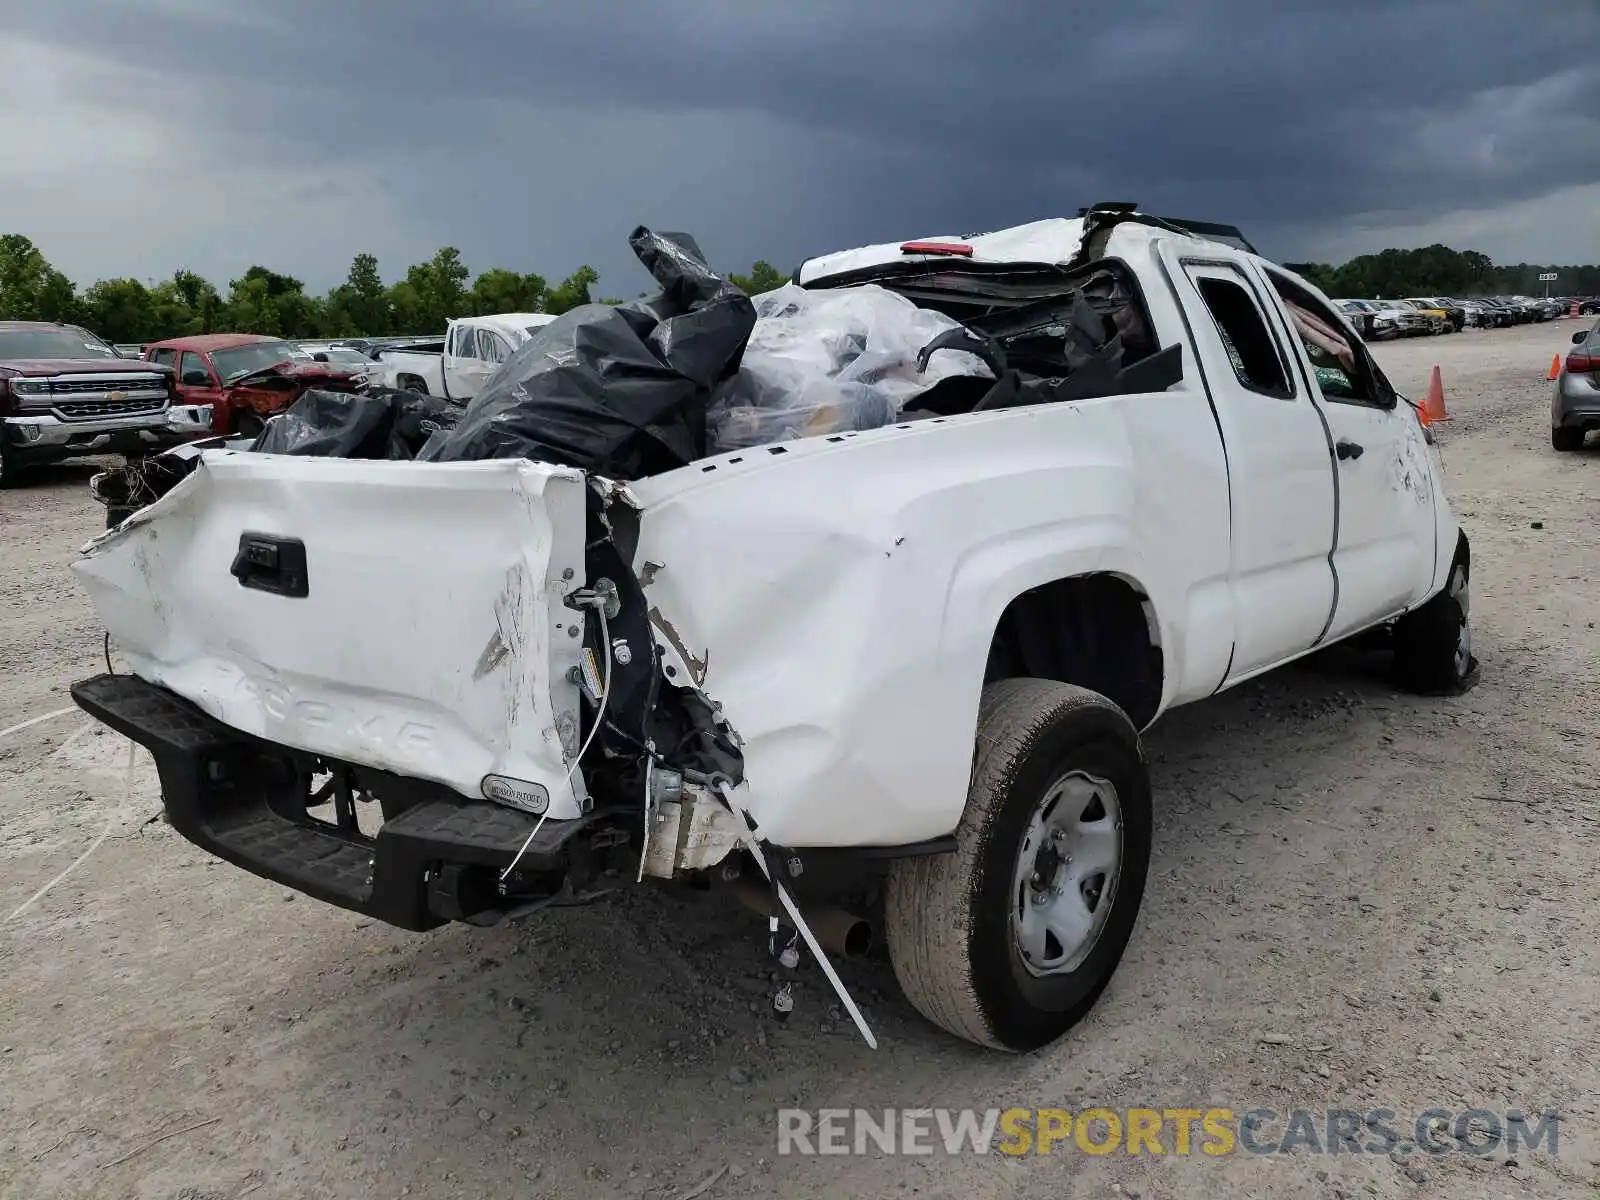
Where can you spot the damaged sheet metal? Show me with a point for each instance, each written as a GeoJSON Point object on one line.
{"type": "Point", "coordinates": [451, 666]}
{"type": "Point", "coordinates": [618, 390]}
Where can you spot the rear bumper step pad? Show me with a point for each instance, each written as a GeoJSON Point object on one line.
{"type": "Point", "coordinates": [237, 797]}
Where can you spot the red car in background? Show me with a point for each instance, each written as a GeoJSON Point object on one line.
{"type": "Point", "coordinates": [246, 377]}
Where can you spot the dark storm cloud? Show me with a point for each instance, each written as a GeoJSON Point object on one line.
{"type": "Point", "coordinates": [785, 129]}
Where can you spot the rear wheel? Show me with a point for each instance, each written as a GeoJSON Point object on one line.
{"type": "Point", "coordinates": [1564, 438]}
{"type": "Point", "coordinates": [1009, 940]}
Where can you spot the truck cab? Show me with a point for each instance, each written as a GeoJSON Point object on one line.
{"type": "Point", "coordinates": [474, 348]}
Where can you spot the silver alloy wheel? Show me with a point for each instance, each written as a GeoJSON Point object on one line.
{"type": "Point", "coordinates": [1065, 881]}
{"type": "Point", "coordinates": [1461, 592]}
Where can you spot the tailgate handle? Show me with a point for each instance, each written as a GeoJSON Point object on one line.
{"type": "Point", "coordinates": [273, 564]}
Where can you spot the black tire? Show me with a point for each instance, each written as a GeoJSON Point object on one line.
{"type": "Point", "coordinates": [1433, 645]}
{"type": "Point", "coordinates": [1566, 438]}
{"type": "Point", "coordinates": [8, 467]}
{"type": "Point", "coordinates": [950, 916]}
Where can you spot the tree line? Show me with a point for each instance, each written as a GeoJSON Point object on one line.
{"type": "Point", "coordinates": [430, 293]}
{"type": "Point", "coordinates": [266, 302]}
{"type": "Point", "coordinates": [1440, 271]}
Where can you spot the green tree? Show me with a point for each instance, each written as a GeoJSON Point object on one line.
{"type": "Point", "coordinates": [435, 291]}
{"type": "Point", "coordinates": [120, 310]}
{"type": "Point", "coordinates": [406, 307]}
{"type": "Point", "coordinates": [30, 288]}
{"type": "Point", "coordinates": [263, 301]}
{"type": "Point", "coordinates": [572, 291]}
{"type": "Point", "coordinates": [763, 277]}
{"type": "Point", "coordinates": [360, 305]}
{"type": "Point", "coordinates": [499, 291]}
{"type": "Point", "coordinates": [183, 305]}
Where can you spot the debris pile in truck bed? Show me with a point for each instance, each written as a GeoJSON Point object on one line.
{"type": "Point", "coordinates": [830, 362]}
{"type": "Point", "coordinates": [637, 389]}
{"type": "Point", "coordinates": [640, 388]}
{"type": "Point", "coordinates": [621, 390]}
{"type": "Point", "coordinates": [378, 422]}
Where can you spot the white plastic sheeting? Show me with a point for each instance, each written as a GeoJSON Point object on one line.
{"type": "Point", "coordinates": [830, 362]}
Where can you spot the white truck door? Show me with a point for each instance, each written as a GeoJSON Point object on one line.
{"type": "Point", "coordinates": [1280, 467]}
{"type": "Point", "coordinates": [494, 349]}
{"type": "Point", "coordinates": [464, 369]}
{"type": "Point", "coordinates": [1384, 557]}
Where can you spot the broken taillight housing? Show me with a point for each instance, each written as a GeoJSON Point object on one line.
{"type": "Point", "coordinates": [1579, 362]}
{"type": "Point", "coordinates": [955, 249]}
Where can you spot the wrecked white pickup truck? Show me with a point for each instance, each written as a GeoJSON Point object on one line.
{"type": "Point", "coordinates": [1152, 466]}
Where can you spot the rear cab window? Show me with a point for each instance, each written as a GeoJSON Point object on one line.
{"type": "Point", "coordinates": [1242, 328]}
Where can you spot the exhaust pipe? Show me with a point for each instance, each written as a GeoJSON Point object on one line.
{"type": "Point", "coordinates": [837, 931]}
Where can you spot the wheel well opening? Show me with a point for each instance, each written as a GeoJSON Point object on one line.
{"type": "Point", "coordinates": [1094, 631]}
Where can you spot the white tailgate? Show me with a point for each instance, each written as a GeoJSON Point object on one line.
{"type": "Point", "coordinates": [433, 642]}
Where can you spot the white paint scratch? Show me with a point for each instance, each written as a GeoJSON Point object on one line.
{"type": "Point", "coordinates": [49, 716]}
{"type": "Point", "coordinates": [111, 822]}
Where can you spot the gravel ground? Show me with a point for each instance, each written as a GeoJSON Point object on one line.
{"type": "Point", "coordinates": [1359, 899]}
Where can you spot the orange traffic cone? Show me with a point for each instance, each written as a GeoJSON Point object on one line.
{"type": "Point", "coordinates": [1433, 404]}
{"type": "Point", "coordinates": [1555, 367]}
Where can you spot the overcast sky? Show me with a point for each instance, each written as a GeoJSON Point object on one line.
{"type": "Point", "coordinates": [138, 136]}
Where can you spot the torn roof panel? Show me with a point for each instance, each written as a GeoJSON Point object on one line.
{"type": "Point", "coordinates": [1054, 241]}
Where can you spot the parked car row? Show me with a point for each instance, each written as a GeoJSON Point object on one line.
{"type": "Point", "coordinates": [1522, 310]}
{"type": "Point", "coordinates": [1414, 316]}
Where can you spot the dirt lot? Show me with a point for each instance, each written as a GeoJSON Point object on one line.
{"type": "Point", "coordinates": [1359, 899]}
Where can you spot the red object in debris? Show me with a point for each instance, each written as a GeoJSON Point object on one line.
{"type": "Point", "coordinates": [954, 249]}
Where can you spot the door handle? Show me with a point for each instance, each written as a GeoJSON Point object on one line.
{"type": "Point", "coordinates": [1345, 448]}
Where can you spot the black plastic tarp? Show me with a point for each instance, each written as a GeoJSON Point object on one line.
{"type": "Point", "coordinates": [376, 423]}
{"type": "Point", "coordinates": [621, 390]}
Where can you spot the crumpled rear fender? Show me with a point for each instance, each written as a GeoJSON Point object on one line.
{"type": "Point", "coordinates": [838, 600]}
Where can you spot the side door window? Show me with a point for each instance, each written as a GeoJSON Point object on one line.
{"type": "Point", "coordinates": [193, 371]}
{"type": "Point", "coordinates": [463, 342]}
{"type": "Point", "coordinates": [1257, 359]}
{"type": "Point", "coordinates": [1342, 370]}
{"type": "Point", "coordinates": [492, 348]}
